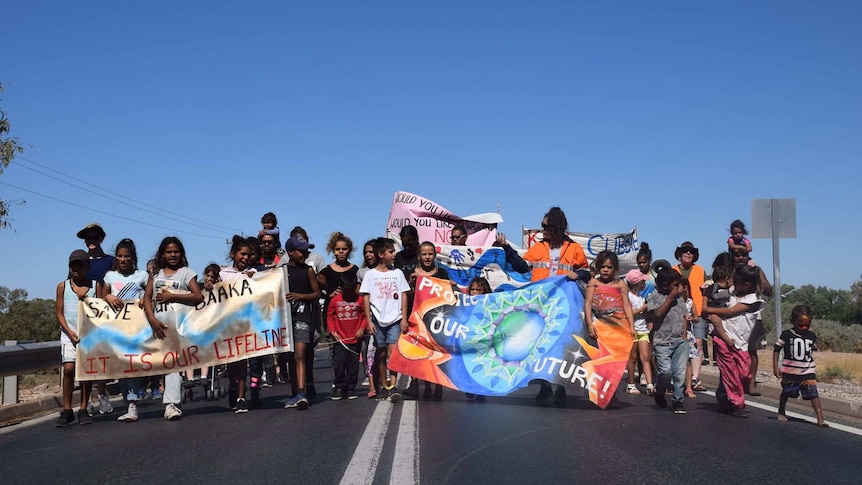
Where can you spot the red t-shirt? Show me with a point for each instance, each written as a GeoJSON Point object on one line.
{"type": "Point", "coordinates": [345, 317]}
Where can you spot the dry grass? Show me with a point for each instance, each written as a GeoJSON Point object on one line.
{"type": "Point", "coordinates": [849, 364]}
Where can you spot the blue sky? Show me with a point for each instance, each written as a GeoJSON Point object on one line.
{"type": "Point", "coordinates": [667, 116]}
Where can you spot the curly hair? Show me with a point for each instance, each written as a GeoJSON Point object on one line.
{"type": "Point", "coordinates": [336, 237]}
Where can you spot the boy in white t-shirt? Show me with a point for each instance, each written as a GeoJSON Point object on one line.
{"type": "Point", "coordinates": [384, 293]}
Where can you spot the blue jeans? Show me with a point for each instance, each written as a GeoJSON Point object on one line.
{"type": "Point", "coordinates": [671, 358]}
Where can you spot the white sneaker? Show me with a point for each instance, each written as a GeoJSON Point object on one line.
{"type": "Point", "coordinates": [643, 380]}
{"type": "Point", "coordinates": [91, 408]}
{"type": "Point", "coordinates": [105, 406]}
{"type": "Point", "coordinates": [172, 412]}
{"type": "Point", "coordinates": [131, 414]}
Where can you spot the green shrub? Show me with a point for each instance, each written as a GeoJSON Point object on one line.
{"type": "Point", "coordinates": [834, 372]}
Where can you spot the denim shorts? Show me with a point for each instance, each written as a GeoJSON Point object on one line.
{"type": "Point", "coordinates": [808, 389]}
{"type": "Point", "coordinates": [699, 328]}
{"type": "Point", "coordinates": [386, 335]}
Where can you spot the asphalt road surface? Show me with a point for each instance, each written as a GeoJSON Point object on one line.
{"type": "Point", "coordinates": [504, 440]}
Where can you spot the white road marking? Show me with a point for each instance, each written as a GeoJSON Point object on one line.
{"type": "Point", "coordinates": [791, 414]}
{"type": "Point", "coordinates": [363, 465]}
{"type": "Point", "coordinates": [405, 463]}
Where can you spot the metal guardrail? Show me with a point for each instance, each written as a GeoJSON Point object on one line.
{"type": "Point", "coordinates": [27, 358]}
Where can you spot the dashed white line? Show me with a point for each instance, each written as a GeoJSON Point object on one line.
{"type": "Point", "coordinates": [363, 465]}
{"type": "Point", "coordinates": [405, 464]}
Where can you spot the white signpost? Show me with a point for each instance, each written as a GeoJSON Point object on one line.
{"type": "Point", "coordinates": [775, 218]}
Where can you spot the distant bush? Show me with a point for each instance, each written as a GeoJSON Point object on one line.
{"type": "Point", "coordinates": [834, 372]}
{"type": "Point", "coordinates": [833, 336]}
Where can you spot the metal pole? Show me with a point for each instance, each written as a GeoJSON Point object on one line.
{"type": "Point", "coordinates": [776, 269]}
{"type": "Point", "coordinates": [10, 383]}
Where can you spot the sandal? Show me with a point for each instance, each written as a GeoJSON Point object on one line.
{"type": "Point", "coordinates": [698, 386]}
{"type": "Point", "coordinates": [632, 389]}
{"type": "Point", "coordinates": [650, 390]}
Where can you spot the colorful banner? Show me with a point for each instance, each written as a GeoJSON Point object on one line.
{"type": "Point", "coordinates": [625, 245]}
{"type": "Point", "coordinates": [496, 343]}
{"type": "Point", "coordinates": [463, 263]}
{"type": "Point", "coordinates": [237, 320]}
{"type": "Point", "coordinates": [434, 223]}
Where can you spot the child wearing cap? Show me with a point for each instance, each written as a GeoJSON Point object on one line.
{"type": "Point", "coordinates": [69, 292]}
{"type": "Point", "coordinates": [641, 348]}
{"type": "Point", "coordinates": [303, 290]}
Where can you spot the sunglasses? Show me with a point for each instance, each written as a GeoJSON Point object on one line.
{"type": "Point", "coordinates": [687, 251]}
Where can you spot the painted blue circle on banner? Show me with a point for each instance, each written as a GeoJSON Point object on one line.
{"type": "Point", "coordinates": [516, 335]}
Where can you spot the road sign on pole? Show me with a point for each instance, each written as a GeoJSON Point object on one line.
{"type": "Point", "coordinates": [776, 219]}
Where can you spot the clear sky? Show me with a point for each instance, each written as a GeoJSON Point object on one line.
{"type": "Point", "coordinates": [667, 116]}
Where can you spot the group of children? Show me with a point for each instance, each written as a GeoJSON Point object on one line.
{"type": "Point", "coordinates": [665, 325]}
{"type": "Point", "coordinates": [374, 301]}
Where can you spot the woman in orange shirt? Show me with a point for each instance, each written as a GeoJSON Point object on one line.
{"type": "Point", "coordinates": [555, 254]}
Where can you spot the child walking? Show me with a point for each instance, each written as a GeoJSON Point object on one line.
{"type": "Point", "coordinates": [125, 282]}
{"type": "Point", "coordinates": [798, 372]}
{"type": "Point", "coordinates": [733, 326]}
{"type": "Point", "coordinates": [369, 260]}
{"type": "Point", "coordinates": [426, 267]}
{"type": "Point", "coordinates": [303, 291]}
{"type": "Point", "coordinates": [607, 308]}
{"type": "Point", "coordinates": [69, 292]}
{"type": "Point", "coordinates": [345, 320]}
{"type": "Point", "coordinates": [670, 346]}
{"type": "Point", "coordinates": [237, 372]}
{"type": "Point", "coordinates": [385, 292]}
{"type": "Point", "coordinates": [174, 282]}
{"type": "Point", "coordinates": [637, 280]}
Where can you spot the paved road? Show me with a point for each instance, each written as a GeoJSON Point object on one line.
{"type": "Point", "coordinates": [504, 440]}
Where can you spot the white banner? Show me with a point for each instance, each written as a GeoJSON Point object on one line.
{"type": "Point", "coordinates": [237, 320]}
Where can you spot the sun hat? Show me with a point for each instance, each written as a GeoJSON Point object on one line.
{"type": "Point", "coordinates": [687, 245]}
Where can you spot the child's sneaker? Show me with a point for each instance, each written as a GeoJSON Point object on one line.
{"type": "Point", "coordinates": [172, 412]}
{"type": "Point", "coordinates": [395, 395]}
{"type": "Point", "coordinates": [84, 418]}
{"type": "Point", "coordinates": [157, 394]}
{"type": "Point", "coordinates": [131, 414]}
{"type": "Point", "coordinates": [298, 401]}
{"type": "Point", "coordinates": [241, 406]}
{"type": "Point", "coordinates": [632, 389]}
{"type": "Point", "coordinates": [66, 417]}
{"type": "Point", "coordinates": [91, 408]}
{"type": "Point", "coordinates": [105, 406]}
{"type": "Point", "coordinates": [678, 408]}
{"type": "Point", "coordinates": [383, 394]}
